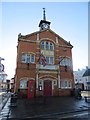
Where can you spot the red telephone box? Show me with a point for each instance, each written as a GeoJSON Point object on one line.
{"type": "Point", "coordinates": [31, 88]}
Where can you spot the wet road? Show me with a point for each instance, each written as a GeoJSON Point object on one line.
{"type": "Point", "coordinates": [51, 108]}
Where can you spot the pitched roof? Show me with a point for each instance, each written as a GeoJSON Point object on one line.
{"type": "Point", "coordinates": [26, 36]}
{"type": "Point", "coordinates": [87, 73]}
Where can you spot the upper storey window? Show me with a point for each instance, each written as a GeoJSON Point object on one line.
{"type": "Point", "coordinates": [28, 58]}
{"type": "Point", "coordinates": [65, 61]}
{"type": "Point", "coordinates": [42, 45]}
{"type": "Point", "coordinates": [47, 45]}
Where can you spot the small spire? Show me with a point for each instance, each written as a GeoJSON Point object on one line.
{"type": "Point", "coordinates": [44, 17]}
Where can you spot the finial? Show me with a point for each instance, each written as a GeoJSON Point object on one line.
{"type": "Point", "coordinates": [44, 17]}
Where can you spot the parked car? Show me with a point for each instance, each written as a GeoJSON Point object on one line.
{"type": "Point", "coordinates": [86, 95]}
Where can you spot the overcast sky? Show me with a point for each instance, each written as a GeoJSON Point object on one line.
{"type": "Point", "coordinates": [68, 19]}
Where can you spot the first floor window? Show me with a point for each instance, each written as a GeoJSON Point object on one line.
{"type": "Point", "coordinates": [32, 59]}
{"type": "Point", "coordinates": [65, 61]}
{"type": "Point", "coordinates": [23, 57]}
{"type": "Point", "coordinates": [28, 58]}
{"type": "Point", "coordinates": [50, 60]}
{"type": "Point", "coordinates": [47, 59]}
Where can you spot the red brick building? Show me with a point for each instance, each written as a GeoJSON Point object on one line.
{"type": "Point", "coordinates": [53, 79]}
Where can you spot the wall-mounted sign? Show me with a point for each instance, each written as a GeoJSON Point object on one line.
{"type": "Point", "coordinates": [1, 67]}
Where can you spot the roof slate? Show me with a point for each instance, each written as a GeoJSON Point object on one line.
{"type": "Point", "coordinates": [87, 73]}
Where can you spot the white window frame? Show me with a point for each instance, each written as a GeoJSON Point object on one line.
{"type": "Point", "coordinates": [42, 45]}
{"type": "Point", "coordinates": [23, 84]}
{"type": "Point", "coordinates": [49, 60]}
{"type": "Point", "coordinates": [47, 45]}
{"type": "Point", "coordinates": [66, 61]}
{"type": "Point", "coordinates": [27, 58]}
{"type": "Point", "coordinates": [66, 84]}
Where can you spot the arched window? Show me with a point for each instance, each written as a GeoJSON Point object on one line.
{"type": "Point", "coordinates": [51, 46]}
{"type": "Point", "coordinates": [47, 45]}
{"type": "Point", "coordinates": [42, 45]}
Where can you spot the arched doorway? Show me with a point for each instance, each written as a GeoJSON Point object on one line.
{"type": "Point", "coordinates": [47, 88]}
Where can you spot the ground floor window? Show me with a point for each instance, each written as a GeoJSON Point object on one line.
{"type": "Point", "coordinates": [23, 84]}
{"type": "Point", "coordinates": [66, 84]}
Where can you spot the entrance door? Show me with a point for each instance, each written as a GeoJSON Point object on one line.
{"type": "Point", "coordinates": [47, 88]}
{"type": "Point", "coordinates": [31, 88]}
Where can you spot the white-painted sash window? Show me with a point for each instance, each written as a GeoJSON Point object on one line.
{"type": "Point", "coordinates": [23, 84]}
{"type": "Point", "coordinates": [28, 58]}
{"type": "Point", "coordinates": [66, 84]}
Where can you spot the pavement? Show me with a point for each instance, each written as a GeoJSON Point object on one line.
{"type": "Point", "coordinates": [42, 107]}
{"type": "Point", "coordinates": [3, 99]}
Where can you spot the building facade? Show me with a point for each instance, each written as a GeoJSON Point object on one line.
{"type": "Point", "coordinates": [53, 76]}
{"type": "Point", "coordinates": [81, 79]}
{"type": "Point", "coordinates": [86, 77]}
{"type": "Point", "coordinates": [3, 77]}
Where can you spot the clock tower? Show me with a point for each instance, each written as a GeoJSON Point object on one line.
{"type": "Point", "coordinates": [43, 23]}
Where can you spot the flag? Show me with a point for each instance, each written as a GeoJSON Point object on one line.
{"type": "Point", "coordinates": [42, 60]}
{"type": "Point", "coordinates": [61, 59]}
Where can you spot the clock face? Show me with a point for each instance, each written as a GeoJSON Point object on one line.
{"type": "Point", "coordinates": [44, 25]}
